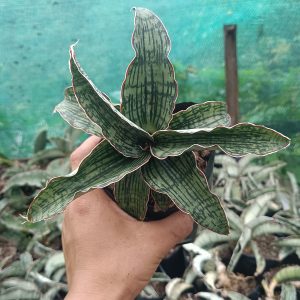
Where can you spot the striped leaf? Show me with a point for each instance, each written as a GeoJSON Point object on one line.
{"type": "Point", "coordinates": [149, 89]}
{"type": "Point", "coordinates": [132, 194]}
{"type": "Point", "coordinates": [124, 135]}
{"type": "Point", "coordinates": [185, 184]}
{"type": "Point", "coordinates": [259, 258]}
{"type": "Point", "coordinates": [162, 201]}
{"type": "Point", "coordinates": [204, 115]}
{"type": "Point", "coordinates": [287, 274]}
{"type": "Point", "coordinates": [72, 113]}
{"type": "Point", "coordinates": [239, 140]}
{"type": "Point", "coordinates": [103, 166]}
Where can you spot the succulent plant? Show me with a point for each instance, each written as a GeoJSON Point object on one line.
{"type": "Point", "coordinates": [145, 147]}
{"type": "Point", "coordinates": [239, 181]}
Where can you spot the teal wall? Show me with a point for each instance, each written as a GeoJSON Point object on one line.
{"type": "Point", "coordinates": [35, 37]}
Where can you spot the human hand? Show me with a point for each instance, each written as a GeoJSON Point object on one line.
{"type": "Point", "coordinates": [109, 254]}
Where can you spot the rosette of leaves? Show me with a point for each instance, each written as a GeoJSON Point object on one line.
{"type": "Point", "coordinates": [145, 148]}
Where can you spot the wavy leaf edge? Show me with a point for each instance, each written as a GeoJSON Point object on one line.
{"type": "Point", "coordinates": [78, 193]}
{"type": "Point", "coordinates": [105, 99]}
{"type": "Point", "coordinates": [227, 232]}
{"type": "Point", "coordinates": [214, 146]}
{"type": "Point", "coordinates": [134, 9]}
{"type": "Point", "coordinates": [57, 110]}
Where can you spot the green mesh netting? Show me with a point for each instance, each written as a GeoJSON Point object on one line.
{"type": "Point", "coordinates": [35, 36]}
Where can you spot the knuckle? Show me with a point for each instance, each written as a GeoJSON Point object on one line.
{"type": "Point", "coordinates": [79, 208]}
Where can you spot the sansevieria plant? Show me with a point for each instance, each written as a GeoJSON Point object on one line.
{"type": "Point", "coordinates": [145, 148]}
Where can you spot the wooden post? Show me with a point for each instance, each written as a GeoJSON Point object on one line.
{"type": "Point", "coordinates": [231, 73]}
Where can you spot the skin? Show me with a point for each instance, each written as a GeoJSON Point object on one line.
{"type": "Point", "coordinates": [109, 254]}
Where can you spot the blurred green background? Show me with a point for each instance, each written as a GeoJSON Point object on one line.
{"type": "Point", "coordinates": [36, 35]}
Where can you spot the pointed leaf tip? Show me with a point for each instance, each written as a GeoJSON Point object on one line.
{"type": "Point", "coordinates": [72, 113]}
{"type": "Point", "coordinates": [238, 140]}
{"type": "Point", "coordinates": [187, 187]}
{"type": "Point", "coordinates": [149, 89]}
{"type": "Point", "coordinates": [121, 133]}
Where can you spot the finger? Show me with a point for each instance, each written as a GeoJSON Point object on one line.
{"type": "Point", "coordinates": [83, 150]}
{"type": "Point", "coordinates": [173, 229]}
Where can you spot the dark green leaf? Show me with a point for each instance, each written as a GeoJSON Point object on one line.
{"type": "Point", "coordinates": [132, 194]}
{"type": "Point", "coordinates": [103, 166]}
{"type": "Point", "coordinates": [161, 200]}
{"type": "Point", "coordinates": [203, 115]}
{"type": "Point", "coordinates": [186, 185]}
{"type": "Point", "coordinates": [72, 113]}
{"type": "Point", "coordinates": [239, 140]}
{"type": "Point", "coordinates": [149, 89]}
{"type": "Point", "coordinates": [124, 135]}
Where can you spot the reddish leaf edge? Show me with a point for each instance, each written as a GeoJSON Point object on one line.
{"type": "Point", "coordinates": [216, 147]}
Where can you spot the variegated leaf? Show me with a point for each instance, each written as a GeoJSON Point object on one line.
{"type": "Point", "coordinates": [242, 242]}
{"type": "Point", "coordinates": [162, 201]}
{"type": "Point", "coordinates": [204, 115]}
{"type": "Point", "coordinates": [132, 194]}
{"type": "Point", "coordinates": [287, 274]}
{"type": "Point", "coordinates": [185, 184]}
{"type": "Point", "coordinates": [288, 292]}
{"type": "Point", "coordinates": [128, 138]}
{"type": "Point", "coordinates": [259, 258]}
{"type": "Point", "coordinates": [103, 166]}
{"type": "Point", "coordinates": [149, 89]}
{"type": "Point", "coordinates": [71, 112]}
{"type": "Point", "coordinates": [238, 140]}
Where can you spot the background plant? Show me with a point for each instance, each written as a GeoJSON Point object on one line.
{"type": "Point", "coordinates": [32, 263]}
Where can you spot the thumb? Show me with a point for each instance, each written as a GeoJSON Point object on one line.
{"type": "Point", "coordinates": [173, 229]}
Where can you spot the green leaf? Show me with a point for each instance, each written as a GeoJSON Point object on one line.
{"type": "Point", "coordinates": [238, 140]}
{"type": "Point", "coordinates": [176, 287]}
{"type": "Point", "coordinates": [103, 166]}
{"type": "Point", "coordinates": [288, 292]}
{"type": "Point", "coordinates": [34, 178]}
{"type": "Point", "coordinates": [236, 296]}
{"type": "Point", "coordinates": [46, 154]}
{"type": "Point", "coordinates": [208, 239]}
{"type": "Point", "coordinates": [291, 273]}
{"type": "Point", "coordinates": [72, 113]}
{"type": "Point", "coordinates": [204, 115]}
{"type": "Point", "coordinates": [272, 227]}
{"type": "Point", "coordinates": [149, 90]}
{"type": "Point", "coordinates": [293, 242]}
{"type": "Point", "coordinates": [181, 180]}
{"type": "Point", "coordinates": [128, 138]}
{"type": "Point", "coordinates": [17, 288]}
{"type": "Point", "coordinates": [257, 207]}
{"type": "Point", "coordinates": [40, 141]}
{"type": "Point", "coordinates": [208, 296]}
{"type": "Point", "coordinates": [242, 242]}
{"type": "Point", "coordinates": [161, 200]}
{"type": "Point", "coordinates": [132, 194]}
{"type": "Point", "coordinates": [54, 262]}
{"type": "Point", "coordinates": [259, 258]}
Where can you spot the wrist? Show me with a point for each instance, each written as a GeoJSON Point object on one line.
{"type": "Point", "coordinates": [76, 295]}
{"type": "Point", "coordinates": [83, 287]}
